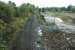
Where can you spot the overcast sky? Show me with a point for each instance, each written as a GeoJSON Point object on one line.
{"type": "Point", "coordinates": [45, 3]}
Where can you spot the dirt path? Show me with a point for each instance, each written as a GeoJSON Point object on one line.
{"type": "Point", "coordinates": [27, 35]}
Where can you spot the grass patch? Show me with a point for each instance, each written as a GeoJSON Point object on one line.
{"type": "Point", "coordinates": [61, 15]}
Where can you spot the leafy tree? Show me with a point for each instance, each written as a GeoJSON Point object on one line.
{"type": "Point", "coordinates": [4, 12]}
{"type": "Point", "coordinates": [26, 9]}
{"type": "Point", "coordinates": [69, 8]}
{"type": "Point", "coordinates": [12, 8]}
{"type": "Point", "coordinates": [73, 9]}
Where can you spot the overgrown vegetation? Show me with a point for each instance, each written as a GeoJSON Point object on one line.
{"type": "Point", "coordinates": [61, 15]}
{"type": "Point", "coordinates": [12, 18]}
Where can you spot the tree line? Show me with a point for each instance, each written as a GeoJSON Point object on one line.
{"type": "Point", "coordinates": [69, 8]}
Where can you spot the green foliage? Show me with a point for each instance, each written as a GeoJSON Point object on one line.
{"type": "Point", "coordinates": [69, 8]}
{"type": "Point", "coordinates": [2, 25]}
{"type": "Point", "coordinates": [3, 12]}
{"type": "Point", "coordinates": [26, 9]}
{"type": "Point", "coordinates": [12, 18]}
{"type": "Point", "coordinates": [73, 9]}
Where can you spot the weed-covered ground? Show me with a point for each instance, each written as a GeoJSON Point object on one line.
{"type": "Point", "coordinates": [66, 17]}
